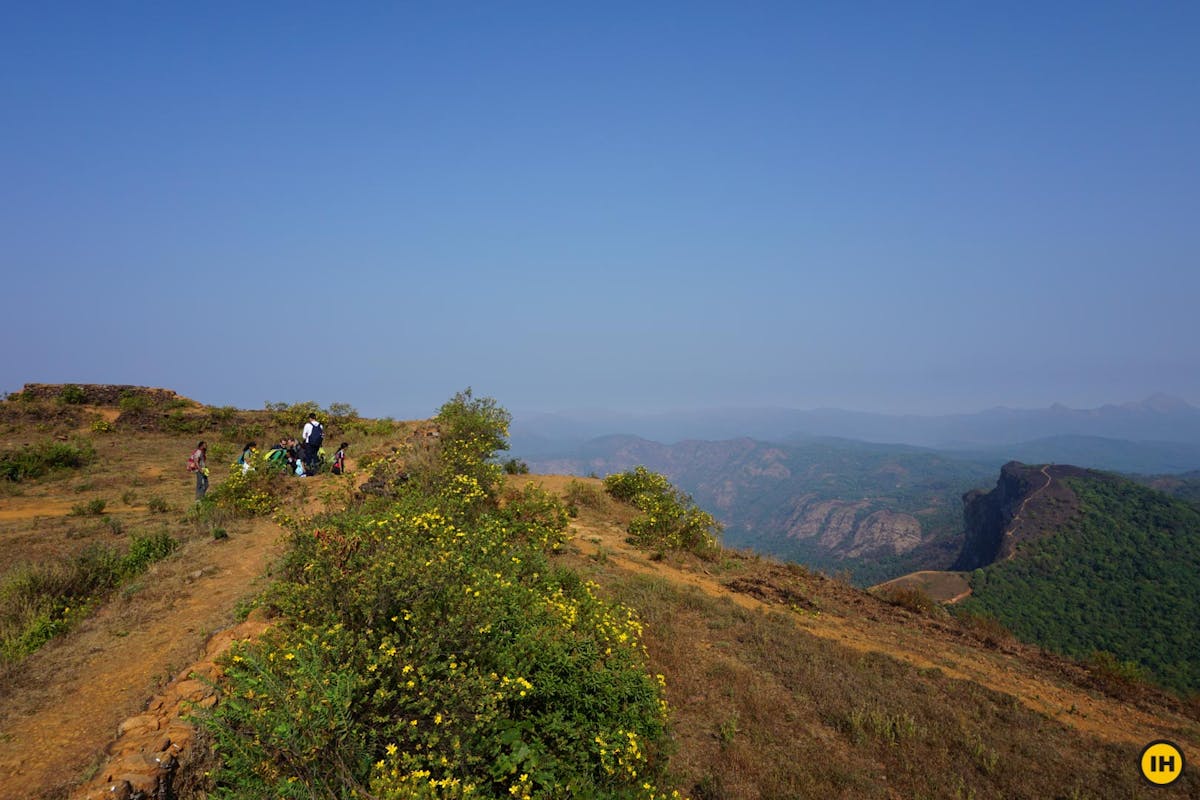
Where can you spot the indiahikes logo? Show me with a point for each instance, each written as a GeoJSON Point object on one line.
{"type": "Point", "coordinates": [1161, 762]}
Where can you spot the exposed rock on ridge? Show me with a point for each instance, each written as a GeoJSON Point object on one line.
{"type": "Point", "coordinates": [1027, 502]}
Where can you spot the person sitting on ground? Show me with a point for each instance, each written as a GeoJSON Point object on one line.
{"type": "Point", "coordinates": [339, 459]}
{"type": "Point", "coordinates": [247, 454]}
{"type": "Point", "coordinates": [293, 454]}
{"type": "Point", "coordinates": [277, 455]}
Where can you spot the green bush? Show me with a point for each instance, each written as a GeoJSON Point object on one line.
{"type": "Point", "coordinates": [34, 461]}
{"type": "Point", "coordinates": [471, 430]}
{"type": "Point", "coordinates": [179, 421]}
{"type": "Point", "coordinates": [292, 415]}
{"type": "Point", "coordinates": [255, 492]}
{"type": "Point", "coordinates": [669, 519]}
{"type": "Point", "coordinates": [73, 394]}
{"type": "Point", "coordinates": [370, 427]}
{"type": "Point", "coordinates": [92, 508]}
{"type": "Point", "coordinates": [515, 466]}
{"type": "Point", "coordinates": [133, 403]}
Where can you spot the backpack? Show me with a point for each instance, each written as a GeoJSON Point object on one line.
{"type": "Point", "coordinates": [193, 463]}
{"type": "Point", "coordinates": [317, 435]}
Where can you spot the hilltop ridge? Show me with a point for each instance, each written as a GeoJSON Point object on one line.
{"type": "Point", "coordinates": [782, 682]}
{"type": "Point", "coordinates": [1027, 502]}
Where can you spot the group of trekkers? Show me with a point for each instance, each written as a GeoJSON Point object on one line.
{"type": "Point", "coordinates": [302, 458]}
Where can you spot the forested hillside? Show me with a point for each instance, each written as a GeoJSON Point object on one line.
{"type": "Point", "coordinates": [1120, 581]}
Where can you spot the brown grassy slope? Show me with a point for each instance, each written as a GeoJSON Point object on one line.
{"type": "Point", "coordinates": [787, 684]}
{"type": "Point", "coordinates": [60, 707]}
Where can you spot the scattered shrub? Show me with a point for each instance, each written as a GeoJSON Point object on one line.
{"type": "Point", "coordinates": [133, 403]}
{"type": "Point", "coordinates": [92, 508]}
{"type": "Point", "coordinates": [911, 597]}
{"type": "Point", "coordinates": [34, 461]}
{"type": "Point", "coordinates": [255, 492]}
{"type": "Point", "coordinates": [294, 415]}
{"type": "Point", "coordinates": [179, 421]}
{"type": "Point", "coordinates": [989, 629]}
{"type": "Point", "coordinates": [339, 412]}
{"type": "Point", "coordinates": [515, 466]}
{"type": "Point", "coordinates": [73, 394]}
{"type": "Point", "coordinates": [158, 505]}
{"type": "Point", "coordinates": [670, 519]}
{"type": "Point", "coordinates": [40, 601]}
{"type": "Point", "coordinates": [1119, 678]}
{"type": "Point", "coordinates": [579, 494]}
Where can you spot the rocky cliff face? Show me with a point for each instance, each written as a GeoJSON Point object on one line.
{"type": "Point", "coordinates": [1027, 502]}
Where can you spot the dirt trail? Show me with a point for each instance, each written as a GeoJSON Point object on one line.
{"type": "Point", "coordinates": [54, 731]}
{"type": "Point", "coordinates": [1091, 713]}
{"type": "Point", "coordinates": [1012, 526]}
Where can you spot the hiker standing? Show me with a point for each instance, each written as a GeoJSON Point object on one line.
{"type": "Point", "coordinates": [313, 436]}
{"type": "Point", "coordinates": [198, 463]}
{"type": "Point", "coordinates": [339, 459]}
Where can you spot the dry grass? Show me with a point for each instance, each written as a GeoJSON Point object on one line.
{"type": "Point", "coordinates": [763, 710]}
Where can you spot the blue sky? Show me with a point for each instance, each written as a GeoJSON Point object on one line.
{"type": "Point", "coordinates": [919, 207]}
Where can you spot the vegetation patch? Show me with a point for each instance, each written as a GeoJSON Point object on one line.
{"type": "Point", "coordinates": [669, 519]}
{"type": "Point", "coordinates": [40, 601]}
{"type": "Point", "coordinates": [1120, 579]}
{"type": "Point", "coordinates": [429, 649]}
{"type": "Point", "coordinates": [36, 460]}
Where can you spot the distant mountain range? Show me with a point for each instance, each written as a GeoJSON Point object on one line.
{"type": "Point", "coordinates": [845, 502]}
{"type": "Point", "coordinates": [875, 511]}
{"type": "Point", "coordinates": [1157, 419]}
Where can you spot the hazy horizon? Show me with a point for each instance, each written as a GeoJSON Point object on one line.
{"type": "Point", "coordinates": [887, 208]}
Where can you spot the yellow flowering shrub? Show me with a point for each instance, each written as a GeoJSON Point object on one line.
{"type": "Point", "coordinates": [430, 650]}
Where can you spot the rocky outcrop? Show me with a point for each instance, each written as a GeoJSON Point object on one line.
{"type": "Point", "coordinates": [94, 394]}
{"type": "Point", "coordinates": [853, 529]}
{"type": "Point", "coordinates": [1027, 502]}
{"type": "Point", "coordinates": [153, 755]}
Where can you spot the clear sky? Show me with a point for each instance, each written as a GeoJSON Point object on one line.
{"type": "Point", "coordinates": [640, 206]}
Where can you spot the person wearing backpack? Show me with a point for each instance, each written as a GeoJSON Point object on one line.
{"type": "Point", "coordinates": [313, 436]}
{"type": "Point", "coordinates": [198, 463]}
